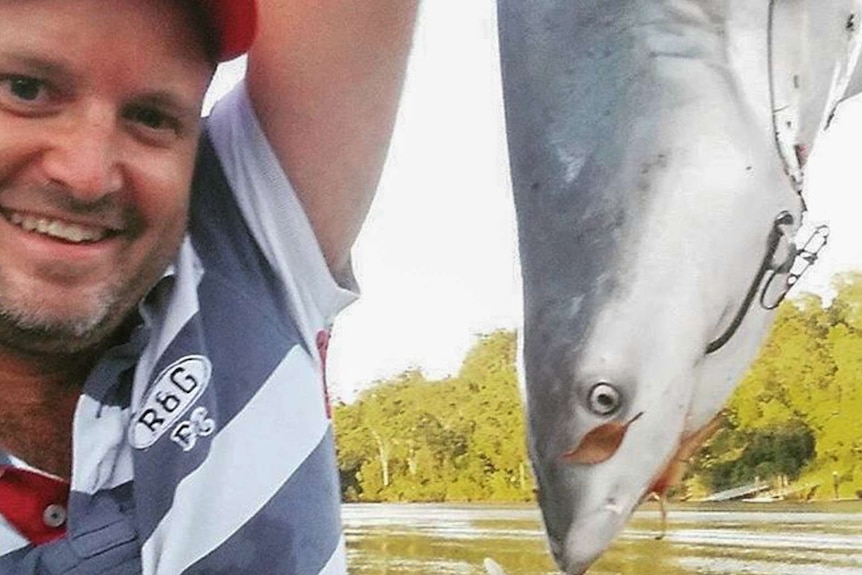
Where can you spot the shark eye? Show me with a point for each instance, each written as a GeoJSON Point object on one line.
{"type": "Point", "coordinates": [604, 399]}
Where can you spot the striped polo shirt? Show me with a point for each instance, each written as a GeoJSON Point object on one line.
{"type": "Point", "coordinates": [203, 444]}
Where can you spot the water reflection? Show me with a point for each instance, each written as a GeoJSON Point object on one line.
{"type": "Point", "coordinates": [718, 539]}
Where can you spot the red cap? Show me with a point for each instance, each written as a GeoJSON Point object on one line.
{"type": "Point", "coordinates": [234, 23]}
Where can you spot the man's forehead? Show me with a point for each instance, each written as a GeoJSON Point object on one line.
{"type": "Point", "coordinates": [116, 66]}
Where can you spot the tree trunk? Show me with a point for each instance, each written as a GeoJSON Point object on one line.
{"type": "Point", "coordinates": [383, 454]}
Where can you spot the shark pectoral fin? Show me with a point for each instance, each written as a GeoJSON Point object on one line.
{"type": "Point", "coordinates": [691, 444]}
{"type": "Point", "coordinates": [600, 444]}
{"type": "Point", "coordinates": [675, 469]}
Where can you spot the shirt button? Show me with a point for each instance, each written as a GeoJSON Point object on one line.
{"type": "Point", "coordinates": [54, 515]}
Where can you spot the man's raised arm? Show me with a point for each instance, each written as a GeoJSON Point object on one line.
{"type": "Point", "coordinates": [325, 78]}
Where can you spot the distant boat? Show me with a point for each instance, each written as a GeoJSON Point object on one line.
{"type": "Point", "coordinates": [787, 493]}
{"type": "Point", "coordinates": [738, 493]}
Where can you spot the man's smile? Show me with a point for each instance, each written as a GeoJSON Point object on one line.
{"type": "Point", "coordinates": [57, 228]}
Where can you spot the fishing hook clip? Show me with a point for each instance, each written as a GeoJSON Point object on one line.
{"type": "Point", "coordinates": [798, 262]}
{"type": "Point", "coordinates": [793, 267]}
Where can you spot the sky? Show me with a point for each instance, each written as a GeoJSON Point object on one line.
{"type": "Point", "coordinates": [436, 260]}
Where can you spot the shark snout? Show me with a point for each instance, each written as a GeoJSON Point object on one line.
{"type": "Point", "coordinates": [589, 537]}
{"type": "Point", "coordinates": [584, 507]}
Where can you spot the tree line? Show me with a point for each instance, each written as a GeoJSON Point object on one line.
{"type": "Point", "coordinates": [796, 415]}
{"type": "Point", "coordinates": [798, 411]}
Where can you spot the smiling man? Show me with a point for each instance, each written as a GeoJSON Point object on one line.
{"type": "Point", "coordinates": [167, 283]}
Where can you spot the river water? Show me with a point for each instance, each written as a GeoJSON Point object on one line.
{"type": "Point", "coordinates": [716, 539]}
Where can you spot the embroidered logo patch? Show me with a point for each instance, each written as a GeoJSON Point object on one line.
{"type": "Point", "coordinates": [197, 425]}
{"type": "Point", "coordinates": [176, 389]}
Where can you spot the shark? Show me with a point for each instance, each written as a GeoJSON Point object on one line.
{"type": "Point", "coordinates": [657, 155]}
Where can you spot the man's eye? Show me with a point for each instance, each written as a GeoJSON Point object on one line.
{"type": "Point", "coordinates": [24, 88]}
{"type": "Point", "coordinates": [152, 119]}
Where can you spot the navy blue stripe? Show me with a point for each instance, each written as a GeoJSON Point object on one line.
{"type": "Point", "coordinates": [241, 326]}
{"type": "Point", "coordinates": [92, 513]}
{"type": "Point", "coordinates": [110, 382]}
{"type": "Point", "coordinates": [19, 562]}
{"type": "Point", "coordinates": [295, 533]}
{"type": "Point", "coordinates": [224, 242]}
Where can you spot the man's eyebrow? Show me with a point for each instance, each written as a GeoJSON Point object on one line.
{"type": "Point", "coordinates": [31, 63]}
{"type": "Point", "coordinates": [57, 71]}
{"type": "Point", "coordinates": [171, 102]}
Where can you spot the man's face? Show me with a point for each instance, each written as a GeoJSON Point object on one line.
{"type": "Point", "coordinates": [99, 121]}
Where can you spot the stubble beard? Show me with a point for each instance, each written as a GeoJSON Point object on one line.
{"type": "Point", "coordinates": [33, 331]}
{"type": "Point", "coordinates": [30, 327]}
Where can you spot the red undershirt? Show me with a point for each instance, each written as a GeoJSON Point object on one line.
{"type": "Point", "coordinates": [34, 504]}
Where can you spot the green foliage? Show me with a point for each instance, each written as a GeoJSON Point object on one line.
{"type": "Point", "coordinates": [459, 439]}
{"type": "Point", "coordinates": [757, 454]}
{"type": "Point", "coordinates": [797, 414]}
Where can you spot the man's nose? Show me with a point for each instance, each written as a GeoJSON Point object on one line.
{"type": "Point", "coordinates": [83, 156]}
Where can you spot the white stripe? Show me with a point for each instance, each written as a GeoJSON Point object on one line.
{"type": "Point", "coordinates": [102, 456]}
{"type": "Point", "coordinates": [249, 460]}
{"type": "Point", "coordinates": [10, 539]}
{"type": "Point", "coordinates": [337, 564]}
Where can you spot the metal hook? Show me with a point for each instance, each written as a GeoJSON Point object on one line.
{"type": "Point", "coordinates": [776, 232]}
{"type": "Point", "coordinates": [801, 260]}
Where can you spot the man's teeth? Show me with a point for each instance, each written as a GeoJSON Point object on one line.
{"type": "Point", "coordinates": [56, 229]}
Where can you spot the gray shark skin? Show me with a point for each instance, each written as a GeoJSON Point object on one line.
{"type": "Point", "coordinates": [652, 146]}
